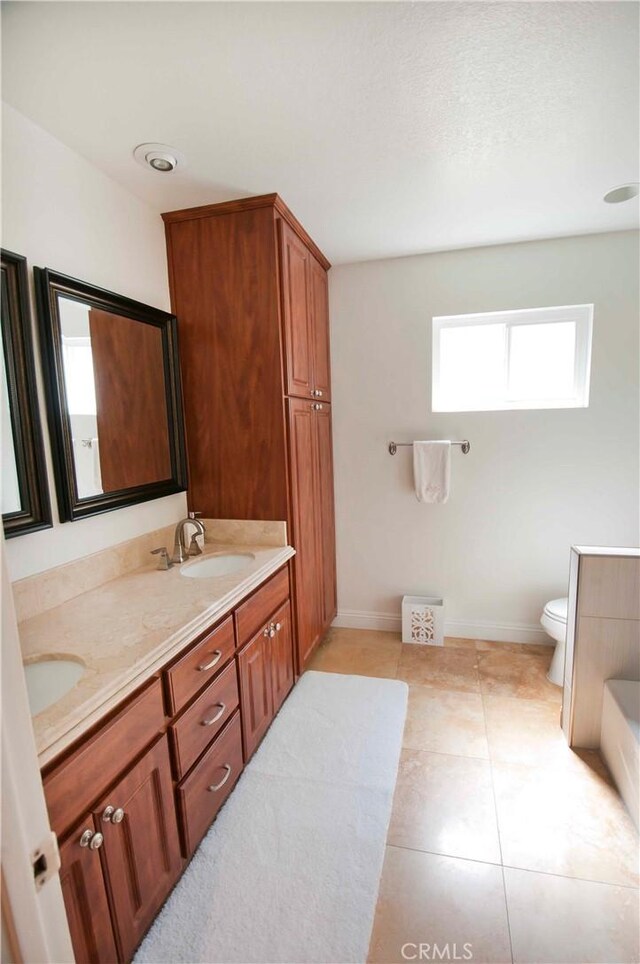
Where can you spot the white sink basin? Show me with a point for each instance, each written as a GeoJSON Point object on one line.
{"type": "Point", "coordinates": [222, 564]}
{"type": "Point", "coordinates": [49, 679]}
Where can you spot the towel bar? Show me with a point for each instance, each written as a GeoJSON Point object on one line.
{"type": "Point", "coordinates": [465, 444]}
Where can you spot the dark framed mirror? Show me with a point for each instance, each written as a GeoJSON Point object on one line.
{"type": "Point", "coordinates": [25, 494]}
{"type": "Point", "coordinates": [114, 397]}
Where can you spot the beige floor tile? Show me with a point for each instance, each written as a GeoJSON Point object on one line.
{"type": "Point", "coordinates": [561, 921]}
{"type": "Point", "coordinates": [429, 899]}
{"type": "Point", "coordinates": [361, 652]}
{"type": "Point", "coordinates": [439, 667]}
{"type": "Point", "coordinates": [528, 732]}
{"type": "Point", "coordinates": [457, 642]}
{"type": "Point", "coordinates": [444, 804]}
{"type": "Point", "coordinates": [445, 722]}
{"type": "Point", "coordinates": [520, 649]}
{"type": "Point", "coordinates": [521, 676]}
{"type": "Point", "coordinates": [570, 822]}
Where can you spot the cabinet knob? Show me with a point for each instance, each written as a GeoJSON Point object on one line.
{"type": "Point", "coordinates": [318, 393]}
{"type": "Point", "coordinates": [270, 630]}
{"type": "Point", "coordinates": [113, 814]}
{"type": "Point", "coordinates": [278, 627]}
{"type": "Point", "coordinates": [85, 839]}
{"type": "Point", "coordinates": [317, 407]}
{"type": "Point", "coordinates": [96, 841]}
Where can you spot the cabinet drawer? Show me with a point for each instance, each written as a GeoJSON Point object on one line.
{"type": "Point", "coordinates": [199, 724]}
{"type": "Point", "coordinates": [199, 664]}
{"type": "Point", "coordinates": [72, 786]}
{"type": "Point", "coordinates": [204, 791]}
{"type": "Point", "coordinates": [254, 613]}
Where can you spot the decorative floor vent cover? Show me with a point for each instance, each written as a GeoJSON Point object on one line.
{"type": "Point", "coordinates": [423, 620]}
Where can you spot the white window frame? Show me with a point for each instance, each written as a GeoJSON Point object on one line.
{"type": "Point", "coordinates": [581, 315]}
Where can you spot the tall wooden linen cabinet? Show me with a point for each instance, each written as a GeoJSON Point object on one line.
{"type": "Point", "coordinates": [249, 287]}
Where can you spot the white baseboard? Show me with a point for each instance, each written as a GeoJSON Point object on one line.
{"type": "Point", "coordinates": [501, 632]}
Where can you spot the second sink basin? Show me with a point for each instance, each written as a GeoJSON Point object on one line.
{"type": "Point", "coordinates": [49, 679]}
{"type": "Point", "coordinates": [221, 564]}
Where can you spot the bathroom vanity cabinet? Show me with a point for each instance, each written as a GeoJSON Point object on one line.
{"type": "Point", "coordinates": [249, 288]}
{"type": "Point", "coordinates": [131, 800]}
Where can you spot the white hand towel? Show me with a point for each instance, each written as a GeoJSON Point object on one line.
{"type": "Point", "coordinates": [432, 470]}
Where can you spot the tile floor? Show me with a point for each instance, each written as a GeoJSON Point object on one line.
{"type": "Point", "coordinates": [504, 845]}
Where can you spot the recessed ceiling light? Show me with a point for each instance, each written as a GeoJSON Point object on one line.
{"type": "Point", "coordinates": [159, 157]}
{"type": "Point", "coordinates": [625, 192]}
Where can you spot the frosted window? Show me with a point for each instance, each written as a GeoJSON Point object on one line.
{"type": "Point", "coordinates": [530, 358]}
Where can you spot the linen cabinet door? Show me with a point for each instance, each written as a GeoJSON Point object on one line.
{"type": "Point", "coordinates": [304, 516]}
{"type": "Point", "coordinates": [141, 852]}
{"type": "Point", "coordinates": [294, 260]}
{"type": "Point", "coordinates": [281, 656]}
{"type": "Point", "coordinates": [319, 301]}
{"type": "Point", "coordinates": [85, 897]}
{"type": "Point", "coordinates": [256, 697]}
{"type": "Point", "coordinates": [327, 554]}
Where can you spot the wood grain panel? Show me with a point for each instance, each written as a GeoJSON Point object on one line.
{"type": "Point", "coordinates": [604, 649]}
{"type": "Point", "coordinates": [131, 405]}
{"type": "Point", "coordinates": [327, 540]}
{"type": "Point", "coordinates": [305, 526]}
{"type": "Point", "coordinates": [141, 855]}
{"type": "Point", "coordinates": [610, 586]}
{"type": "Point", "coordinates": [198, 665]}
{"type": "Point", "coordinates": [256, 697]}
{"type": "Point", "coordinates": [198, 802]}
{"type": "Point", "coordinates": [190, 733]}
{"type": "Point", "coordinates": [281, 653]}
{"type": "Point", "coordinates": [71, 786]}
{"type": "Point", "coordinates": [252, 614]}
{"type": "Point", "coordinates": [85, 900]}
{"type": "Point", "coordinates": [296, 311]}
{"type": "Point", "coordinates": [319, 326]}
{"type": "Point", "coordinates": [224, 284]}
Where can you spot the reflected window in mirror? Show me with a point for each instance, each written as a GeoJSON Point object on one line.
{"type": "Point", "coordinates": [25, 493]}
{"type": "Point", "coordinates": [114, 396]}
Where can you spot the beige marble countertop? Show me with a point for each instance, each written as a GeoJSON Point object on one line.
{"type": "Point", "coordinates": [124, 630]}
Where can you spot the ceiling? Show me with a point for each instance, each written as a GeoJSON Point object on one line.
{"type": "Point", "coordinates": [389, 128]}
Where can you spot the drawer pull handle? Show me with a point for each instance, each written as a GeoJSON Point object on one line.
{"type": "Point", "coordinates": [216, 658]}
{"type": "Point", "coordinates": [214, 719]}
{"type": "Point", "coordinates": [217, 786]}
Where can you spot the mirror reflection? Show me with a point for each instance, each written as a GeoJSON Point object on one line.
{"type": "Point", "coordinates": [116, 399]}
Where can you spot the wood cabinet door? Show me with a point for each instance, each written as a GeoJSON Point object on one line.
{"type": "Point", "coordinates": [141, 854]}
{"type": "Point", "coordinates": [294, 259]}
{"type": "Point", "coordinates": [256, 698]}
{"type": "Point", "coordinates": [327, 537]}
{"type": "Point", "coordinates": [85, 900]}
{"type": "Point", "coordinates": [305, 525]}
{"type": "Point", "coordinates": [281, 656]}
{"type": "Point", "coordinates": [319, 301]}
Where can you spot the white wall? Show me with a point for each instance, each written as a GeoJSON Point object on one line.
{"type": "Point", "coordinates": [62, 213]}
{"type": "Point", "coordinates": [534, 482]}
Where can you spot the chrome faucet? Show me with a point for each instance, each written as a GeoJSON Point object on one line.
{"type": "Point", "coordinates": [180, 551]}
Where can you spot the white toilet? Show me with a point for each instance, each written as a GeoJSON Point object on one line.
{"type": "Point", "coordinates": [554, 622]}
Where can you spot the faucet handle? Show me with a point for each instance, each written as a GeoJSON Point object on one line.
{"type": "Point", "coordinates": [195, 515]}
{"type": "Point", "coordinates": [164, 562]}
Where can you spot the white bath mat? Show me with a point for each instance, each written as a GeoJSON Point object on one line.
{"type": "Point", "coordinates": [289, 872]}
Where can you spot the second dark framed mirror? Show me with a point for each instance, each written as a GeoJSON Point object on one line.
{"type": "Point", "coordinates": [114, 397]}
{"type": "Point", "coordinates": [25, 493]}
